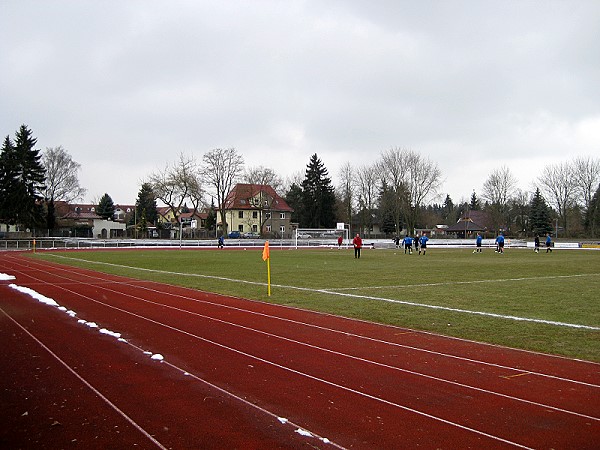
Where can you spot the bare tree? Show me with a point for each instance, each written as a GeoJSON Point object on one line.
{"type": "Point", "coordinates": [346, 192]}
{"type": "Point", "coordinates": [177, 183]}
{"type": "Point", "coordinates": [558, 186]}
{"type": "Point", "coordinates": [366, 181]}
{"type": "Point", "coordinates": [586, 171]}
{"type": "Point", "coordinates": [499, 186]}
{"type": "Point", "coordinates": [62, 182]}
{"type": "Point", "coordinates": [221, 169]}
{"type": "Point", "coordinates": [498, 190]}
{"type": "Point", "coordinates": [263, 176]}
{"type": "Point", "coordinates": [414, 178]}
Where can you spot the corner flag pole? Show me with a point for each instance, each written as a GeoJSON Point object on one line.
{"type": "Point", "coordinates": [266, 256]}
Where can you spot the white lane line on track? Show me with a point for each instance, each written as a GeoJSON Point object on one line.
{"type": "Point", "coordinates": [518, 370]}
{"type": "Point", "coordinates": [297, 372]}
{"type": "Point", "coordinates": [368, 297]}
{"type": "Point", "coordinates": [315, 347]}
{"type": "Point", "coordinates": [299, 429]}
{"type": "Point", "coordinates": [87, 384]}
{"type": "Point", "coordinates": [308, 375]}
{"type": "Point", "coordinates": [136, 285]}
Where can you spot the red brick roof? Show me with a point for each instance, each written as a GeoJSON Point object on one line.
{"type": "Point", "coordinates": [239, 197]}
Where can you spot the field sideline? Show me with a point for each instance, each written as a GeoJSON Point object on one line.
{"type": "Point", "coordinates": [540, 302]}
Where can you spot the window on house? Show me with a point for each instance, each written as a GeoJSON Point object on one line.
{"type": "Point", "coordinates": [267, 215]}
{"type": "Point", "coordinates": [240, 214]}
{"type": "Point", "coordinates": [255, 228]}
{"type": "Point", "coordinates": [282, 229]}
{"type": "Point", "coordinates": [268, 228]}
{"type": "Point", "coordinates": [255, 214]}
{"type": "Point", "coordinates": [282, 215]}
{"type": "Point", "coordinates": [241, 228]}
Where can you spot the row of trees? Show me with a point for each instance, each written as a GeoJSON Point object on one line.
{"type": "Point", "coordinates": [31, 182]}
{"type": "Point", "coordinates": [398, 191]}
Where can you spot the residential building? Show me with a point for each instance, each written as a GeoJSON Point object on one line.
{"type": "Point", "coordinates": [259, 209]}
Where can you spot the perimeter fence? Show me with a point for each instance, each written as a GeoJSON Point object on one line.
{"type": "Point", "coordinates": [89, 243]}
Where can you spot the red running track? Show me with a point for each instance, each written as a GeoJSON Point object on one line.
{"type": "Point", "coordinates": [236, 373]}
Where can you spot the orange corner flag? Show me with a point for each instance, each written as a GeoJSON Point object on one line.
{"type": "Point", "coordinates": [266, 253]}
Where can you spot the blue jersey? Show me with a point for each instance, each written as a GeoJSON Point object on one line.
{"type": "Point", "coordinates": [479, 239]}
{"type": "Point", "coordinates": [423, 240]}
{"type": "Point", "coordinates": [500, 239]}
{"type": "Point", "coordinates": [548, 240]}
{"type": "Point", "coordinates": [408, 240]}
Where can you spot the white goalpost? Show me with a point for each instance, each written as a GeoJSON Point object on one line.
{"type": "Point", "coordinates": [322, 236]}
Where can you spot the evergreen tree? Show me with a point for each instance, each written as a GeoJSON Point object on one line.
{"type": "Point", "coordinates": [386, 210]}
{"type": "Point", "coordinates": [592, 217]}
{"type": "Point", "coordinates": [318, 197]}
{"type": "Point", "coordinates": [211, 218]}
{"type": "Point", "coordinates": [146, 204]}
{"type": "Point", "coordinates": [22, 177]}
{"type": "Point", "coordinates": [475, 204]}
{"type": "Point", "coordinates": [539, 215]}
{"type": "Point", "coordinates": [293, 198]}
{"type": "Point", "coordinates": [106, 207]}
{"type": "Point", "coordinates": [449, 211]}
{"type": "Point", "coordinates": [8, 179]}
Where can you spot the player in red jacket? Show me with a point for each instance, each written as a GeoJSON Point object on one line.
{"type": "Point", "coordinates": [357, 242]}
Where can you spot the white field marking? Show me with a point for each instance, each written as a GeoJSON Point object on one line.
{"type": "Point", "coordinates": [86, 383]}
{"type": "Point", "coordinates": [364, 297]}
{"type": "Point", "coordinates": [160, 358]}
{"type": "Point", "coordinates": [137, 286]}
{"type": "Point", "coordinates": [464, 386]}
{"type": "Point", "coordinates": [356, 358]}
{"type": "Point", "coordinates": [342, 294]}
{"type": "Point", "coordinates": [303, 374]}
{"type": "Point", "coordinates": [485, 363]}
{"type": "Point", "coordinates": [450, 283]}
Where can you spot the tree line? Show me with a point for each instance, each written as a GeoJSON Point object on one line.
{"type": "Point", "coordinates": [399, 191]}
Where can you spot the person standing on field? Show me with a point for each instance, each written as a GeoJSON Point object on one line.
{"type": "Point", "coordinates": [340, 240]}
{"type": "Point", "coordinates": [478, 242]}
{"type": "Point", "coordinates": [423, 240]}
{"type": "Point", "coordinates": [357, 243]}
{"type": "Point", "coordinates": [500, 243]}
{"type": "Point", "coordinates": [536, 244]}
{"type": "Point", "coordinates": [548, 243]}
{"type": "Point", "coordinates": [407, 244]}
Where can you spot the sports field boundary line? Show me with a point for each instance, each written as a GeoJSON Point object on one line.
{"type": "Point", "coordinates": [356, 296]}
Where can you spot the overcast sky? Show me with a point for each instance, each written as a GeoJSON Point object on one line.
{"type": "Point", "coordinates": [125, 86]}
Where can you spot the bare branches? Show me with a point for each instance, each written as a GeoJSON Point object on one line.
{"type": "Point", "coordinates": [500, 186]}
{"type": "Point", "coordinates": [62, 183]}
{"type": "Point", "coordinates": [221, 169]}
{"type": "Point", "coordinates": [177, 183]}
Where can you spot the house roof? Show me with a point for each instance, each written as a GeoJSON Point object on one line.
{"type": "Point", "coordinates": [471, 221]}
{"type": "Point", "coordinates": [464, 225]}
{"type": "Point", "coordinates": [239, 197]}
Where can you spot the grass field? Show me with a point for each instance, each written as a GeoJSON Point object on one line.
{"type": "Point", "coordinates": [543, 302]}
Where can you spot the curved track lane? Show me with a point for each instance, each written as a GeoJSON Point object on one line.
{"type": "Point", "coordinates": [240, 373]}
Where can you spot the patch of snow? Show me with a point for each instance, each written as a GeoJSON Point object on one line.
{"type": "Point", "coordinates": [302, 432]}
{"type": "Point", "coordinates": [110, 333]}
{"type": "Point", "coordinates": [36, 295]}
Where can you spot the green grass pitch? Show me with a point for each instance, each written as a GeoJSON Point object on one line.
{"type": "Point", "coordinates": [542, 302]}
